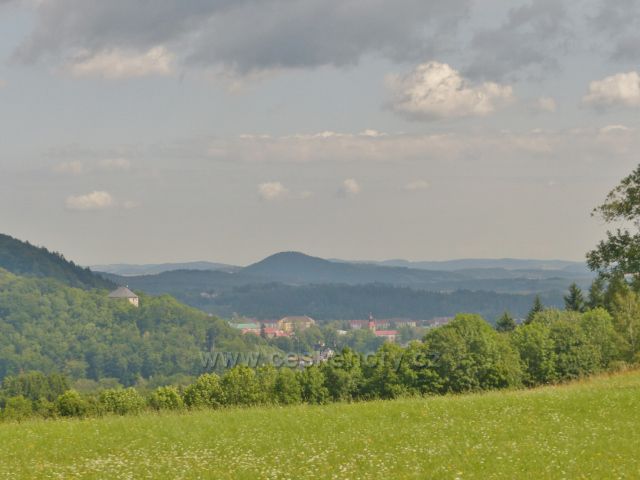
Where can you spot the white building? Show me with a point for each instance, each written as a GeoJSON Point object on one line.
{"type": "Point", "coordinates": [123, 293]}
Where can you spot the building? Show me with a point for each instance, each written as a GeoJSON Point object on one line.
{"type": "Point", "coordinates": [403, 322]}
{"type": "Point", "coordinates": [246, 326]}
{"type": "Point", "coordinates": [291, 324]}
{"type": "Point", "coordinates": [123, 293]}
{"type": "Point", "coordinates": [267, 331]}
{"type": "Point", "coordinates": [389, 335]}
{"type": "Point", "coordinates": [360, 324]}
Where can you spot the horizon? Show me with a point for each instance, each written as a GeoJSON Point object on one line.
{"type": "Point", "coordinates": [177, 262]}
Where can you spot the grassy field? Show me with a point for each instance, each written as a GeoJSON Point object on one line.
{"type": "Point", "coordinates": [585, 430]}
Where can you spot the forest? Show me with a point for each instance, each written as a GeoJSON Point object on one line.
{"type": "Point", "coordinates": [50, 327]}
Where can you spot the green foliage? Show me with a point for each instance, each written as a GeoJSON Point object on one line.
{"type": "Point", "coordinates": [287, 389]}
{"type": "Point", "coordinates": [122, 401]}
{"type": "Point", "coordinates": [470, 355]}
{"type": "Point", "coordinates": [205, 392]}
{"type": "Point", "coordinates": [626, 315]}
{"type": "Point", "coordinates": [241, 386]}
{"type": "Point", "coordinates": [598, 326]}
{"type": "Point", "coordinates": [619, 253]}
{"type": "Point", "coordinates": [506, 323]}
{"type": "Point", "coordinates": [71, 404]}
{"type": "Point", "coordinates": [574, 300]}
{"type": "Point", "coordinates": [343, 376]}
{"type": "Point", "coordinates": [597, 294]}
{"type": "Point", "coordinates": [387, 375]}
{"type": "Point", "coordinates": [22, 258]}
{"type": "Point", "coordinates": [326, 302]}
{"type": "Point", "coordinates": [576, 356]}
{"type": "Point", "coordinates": [35, 386]}
{"type": "Point", "coordinates": [535, 309]}
{"type": "Point", "coordinates": [464, 355]}
{"type": "Point", "coordinates": [17, 409]}
{"type": "Point", "coordinates": [49, 327]}
{"type": "Point", "coordinates": [537, 353]}
{"type": "Point", "coordinates": [166, 398]}
{"type": "Point", "coordinates": [312, 384]}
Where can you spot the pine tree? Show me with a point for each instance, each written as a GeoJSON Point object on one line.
{"type": "Point", "coordinates": [596, 294]}
{"type": "Point", "coordinates": [574, 301]}
{"type": "Point", "coordinates": [506, 323]}
{"type": "Point", "coordinates": [537, 307]}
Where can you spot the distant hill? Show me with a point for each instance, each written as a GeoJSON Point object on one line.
{"type": "Point", "coordinates": [482, 264]}
{"type": "Point", "coordinates": [347, 302]}
{"type": "Point", "coordinates": [298, 268]}
{"type": "Point", "coordinates": [125, 269]}
{"type": "Point", "coordinates": [22, 258]}
{"type": "Point", "coordinates": [291, 282]}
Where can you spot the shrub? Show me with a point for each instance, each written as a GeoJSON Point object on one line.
{"type": "Point", "coordinates": [122, 401]}
{"type": "Point", "coordinates": [71, 404]}
{"type": "Point", "coordinates": [17, 409]}
{"type": "Point", "coordinates": [537, 353]}
{"type": "Point", "coordinates": [166, 398]}
{"type": "Point", "coordinates": [312, 383]}
{"type": "Point", "coordinates": [287, 388]}
{"type": "Point", "coordinates": [470, 355]}
{"type": "Point", "coordinates": [240, 386]}
{"type": "Point", "coordinates": [205, 392]}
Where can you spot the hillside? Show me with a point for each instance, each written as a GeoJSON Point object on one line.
{"type": "Point", "coordinates": [298, 268]}
{"type": "Point", "coordinates": [582, 430]}
{"type": "Point", "coordinates": [126, 269]}
{"type": "Point", "coordinates": [346, 302]}
{"type": "Point", "coordinates": [22, 258]}
{"type": "Point", "coordinates": [291, 282]}
{"type": "Point", "coordinates": [49, 327]}
{"type": "Point", "coordinates": [498, 263]}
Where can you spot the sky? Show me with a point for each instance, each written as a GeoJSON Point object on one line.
{"type": "Point", "coordinates": [228, 130]}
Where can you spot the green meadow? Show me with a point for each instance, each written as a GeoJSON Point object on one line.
{"type": "Point", "coordinates": [589, 429]}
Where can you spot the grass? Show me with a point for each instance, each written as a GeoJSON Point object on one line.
{"type": "Point", "coordinates": [587, 430]}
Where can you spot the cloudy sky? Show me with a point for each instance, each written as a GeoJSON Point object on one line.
{"type": "Point", "coordinates": [227, 130]}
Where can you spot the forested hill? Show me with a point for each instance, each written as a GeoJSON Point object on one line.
{"type": "Point", "coordinates": [22, 258]}
{"type": "Point", "coordinates": [50, 327]}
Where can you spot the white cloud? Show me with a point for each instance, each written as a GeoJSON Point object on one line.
{"type": "Point", "coordinates": [272, 191]}
{"type": "Point", "coordinates": [115, 164]}
{"type": "Point", "coordinates": [2, 83]}
{"type": "Point", "coordinates": [74, 167]}
{"type": "Point", "coordinates": [435, 150]}
{"type": "Point", "coordinates": [621, 89]}
{"type": "Point", "coordinates": [435, 90]}
{"type": "Point", "coordinates": [118, 64]}
{"type": "Point", "coordinates": [350, 187]}
{"type": "Point", "coordinates": [97, 200]}
{"type": "Point", "coordinates": [546, 104]}
{"type": "Point", "coordinates": [416, 185]}
{"type": "Point", "coordinates": [614, 128]}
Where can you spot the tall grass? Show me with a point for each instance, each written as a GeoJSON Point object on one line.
{"type": "Point", "coordinates": [589, 429]}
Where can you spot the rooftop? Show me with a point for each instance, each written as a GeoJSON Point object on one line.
{"type": "Point", "coordinates": [122, 292]}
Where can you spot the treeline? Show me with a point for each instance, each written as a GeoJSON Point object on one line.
{"type": "Point", "coordinates": [22, 258]}
{"type": "Point", "coordinates": [348, 302]}
{"type": "Point", "coordinates": [49, 327]}
{"type": "Point", "coordinates": [467, 355]}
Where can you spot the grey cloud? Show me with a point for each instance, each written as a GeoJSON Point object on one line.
{"type": "Point", "coordinates": [328, 32]}
{"type": "Point", "coordinates": [247, 35]}
{"type": "Point", "coordinates": [95, 25]}
{"type": "Point", "coordinates": [528, 42]}
{"type": "Point", "coordinates": [619, 21]}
